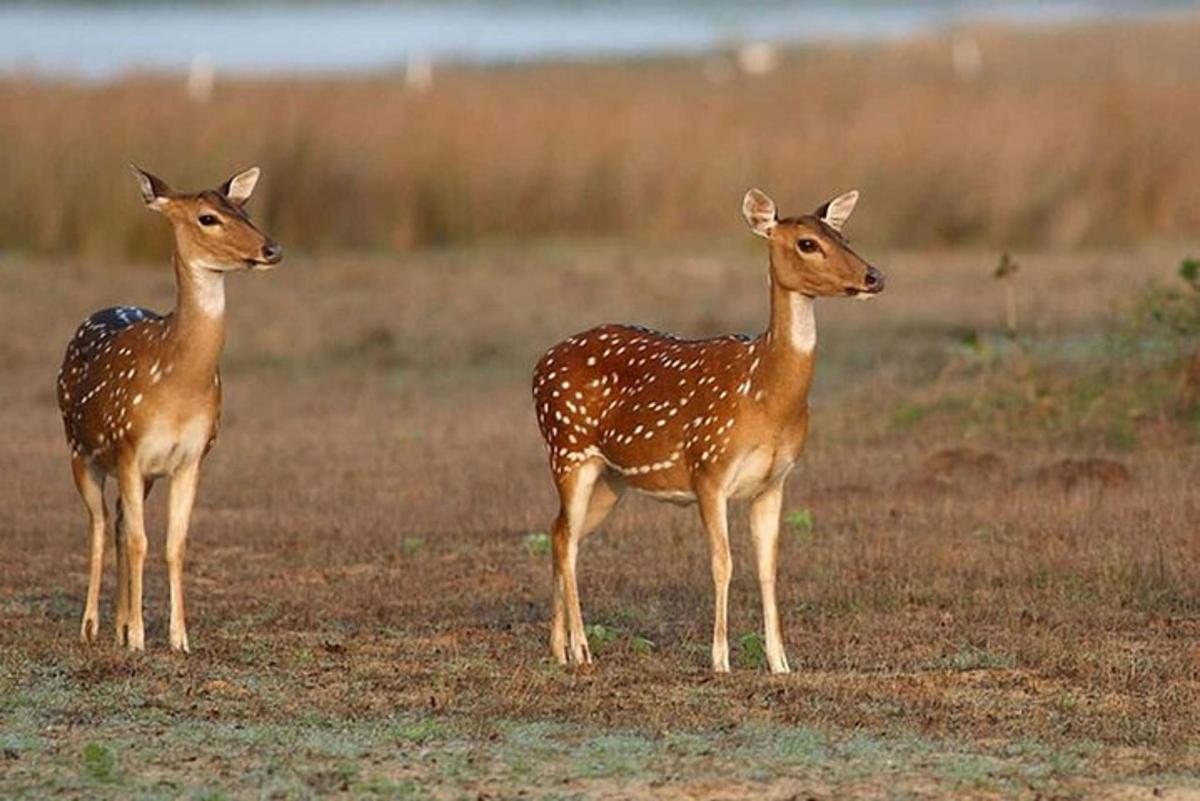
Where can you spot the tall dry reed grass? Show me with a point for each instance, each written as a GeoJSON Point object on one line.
{"type": "Point", "coordinates": [1072, 136]}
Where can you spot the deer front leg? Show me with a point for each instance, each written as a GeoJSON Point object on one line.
{"type": "Point", "coordinates": [764, 529]}
{"type": "Point", "coordinates": [90, 484]}
{"type": "Point", "coordinates": [133, 490]}
{"type": "Point", "coordinates": [182, 497]}
{"type": "Point", "coordinates": [714, 514]}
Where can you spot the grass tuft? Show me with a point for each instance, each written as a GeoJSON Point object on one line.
{"type": "Point", "coordinates": [100, 763]}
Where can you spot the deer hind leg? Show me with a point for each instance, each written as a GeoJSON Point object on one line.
{"type": "Point", "coordinates": [714, 513]}
{"type": "Point", "coordinates": [183, 495]}
{"type": "Point", "coordinates": [122, 612]}
{"type": "Point", "coordinates": [131, 630]}
{"type": "Point", "coordinates": [606, 494]}
{"type": "Point", "coordinates": [90, 483]}
{"type": "Point", "coordinates": [764, 529]}
{"type": "Point", "coordinates": [575, 493]}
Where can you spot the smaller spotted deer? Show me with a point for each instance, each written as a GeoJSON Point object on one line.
{"type": "Point", "coordinates": [140, 393]}
{"type": "Point", "coordinates": [694, 421]}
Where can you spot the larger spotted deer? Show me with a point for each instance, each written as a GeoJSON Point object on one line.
{"type": "Point", "coordinates": [694, 421]}
{"type": "Point", "coordinates": [140, 394]}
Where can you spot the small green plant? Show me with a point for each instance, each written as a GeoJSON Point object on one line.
{"type": "Point", "coordinates": [970, 341]}
{"type": "Point", "coordinates": [1173, 310]}
{"type": "Point", "coordinates": [538, 543]}
{"type": "Point", "coordinates": [1067, 701]}
{"type": "Point", "coordinates": [99, 762]}
{"type": "Point", "coordinates": [753, 653]}
{"type": "Point", "coordinates": [411, 545]}
{"type": "Point", "coordinates": [801, 521]}
{"type": "Point", "coordinates": [970, 658]}
{"type": "Point", "coordinates": [1189, 271]}
{"type": "Point", "coordinates": [418, 731]}
{"type": "Point", "coordinates": [641, 645]}
{"type": "Point", "coordinates": [599, 636]}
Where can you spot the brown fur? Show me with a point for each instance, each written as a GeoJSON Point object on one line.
{"type": "Point", "coordinates": [704, 421]}
{"type": "Point", "coordinates": [140, 394]}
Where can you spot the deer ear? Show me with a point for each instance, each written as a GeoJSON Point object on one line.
{"type": "Point", "coordinates": [239, 188]}
{"type": "Point", "coordinates": [154, 190]}
{"type": "Point", "coordinates": [837, 211]}
{"type": "Point", "coordinates": [759, 211]}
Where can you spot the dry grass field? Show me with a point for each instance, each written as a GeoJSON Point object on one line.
{"type": "Point", "coordinates": [1065, 137]}
{"type": "Point", "coordinates": [369, 584]}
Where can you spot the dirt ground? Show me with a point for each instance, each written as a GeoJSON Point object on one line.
{"type": "Point", "coordinates": [368, 577]}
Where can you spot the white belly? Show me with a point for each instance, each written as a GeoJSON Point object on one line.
{"type": "Point", "coordinates": [166, 447]}
{"type": "Point", "coordinates": [756, 471]}
{"type": "Point", "coordinates": [681, 497]}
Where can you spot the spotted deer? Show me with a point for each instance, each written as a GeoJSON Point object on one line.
{"type": "Point", "coordinates": [140, 394]}
{"type": "Point", "coordinates": [694, 421]}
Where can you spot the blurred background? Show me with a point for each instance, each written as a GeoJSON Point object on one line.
{"type": "Point", "coordinates": [392, 126]}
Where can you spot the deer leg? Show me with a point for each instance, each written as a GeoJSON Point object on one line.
{"type": "Point", "coordinates": [575, 493]}
{"type": "Point", "coordinates": [179, 512]}
{"type": "Point", "coordinates": [605, 496]}
{"type": "Point", "coordinates": [133, 491]}
{"type": "Point", "coordinates": [122, 612]}
{"type": "Point", "coordinates": [558, 619]}
{"type": "Point", "coordinates": [713, 511]}
{"type": "Point", "coordinates": [122, 540]}
{"type": "Point", "coordinates": [90, 483]}
{"type": "Point", "coordinates": [764, 529]}
{"type": "Point", "coordinates": [607, 493]}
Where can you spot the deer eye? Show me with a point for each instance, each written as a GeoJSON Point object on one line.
{"type": "Point", "coordinates": [807, 245]}
{"type": "Point", "coordinates": [209, 219]}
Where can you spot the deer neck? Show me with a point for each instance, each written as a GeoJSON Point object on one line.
{"type": "Point", "coordinates": [196, 334]}
{"type": "Point", "coordinates": [787, 347]}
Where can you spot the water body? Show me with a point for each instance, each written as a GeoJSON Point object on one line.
{"type": "Point", "coordinates": [103, 40]}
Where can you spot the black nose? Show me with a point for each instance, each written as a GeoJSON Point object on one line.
{"type": "Point", "coordinates": [272, 252]}
{"type": "Point", "coordinates": [874, 280]}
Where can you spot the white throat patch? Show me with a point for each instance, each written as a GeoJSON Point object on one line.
{"type": "Point", "coordinates": [210, 290]}
{"type": "Point", "coordinates": [804, 322]}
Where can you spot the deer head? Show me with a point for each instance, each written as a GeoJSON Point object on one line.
{"type": "Point", "coordinates": [212, 229]}
{"type": "Point", "coordinates": [809, 254]}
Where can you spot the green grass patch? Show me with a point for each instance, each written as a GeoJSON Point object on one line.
{"type": "Point", "coordinates": [800, 523]}
{"type": "Point", "coordinates": [975, 659]}
{"type": "Point", "coordinates": [752, 651]}
{"type": "Point", "coordinates": [419, 731]}
{"type": "Point", "coordinates": [600, 636]}
{"type": "Point", "coordinates": [537, 543]}
{"type": "Point", "coordinates": [99, 763]}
